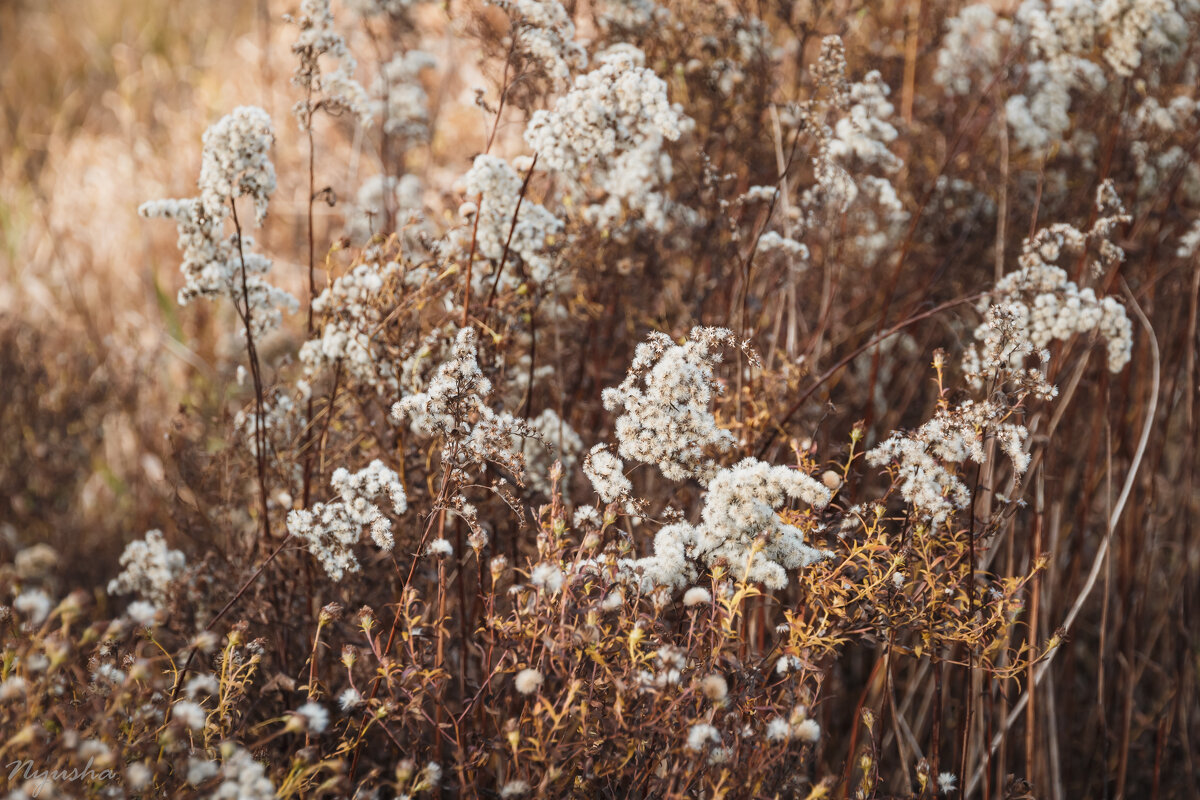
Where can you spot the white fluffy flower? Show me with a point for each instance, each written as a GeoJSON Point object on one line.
{"type": "Point", "coordinates": [807, 731]}
{"type": "Point", "coordinates": [606, 472]}
{"type": "Point", "coordinates": [350, 699]}
{"type": "Point", "coordinates": [330, 530]}
{"type": "Point", "coordinates": [314, 716]}
{"type": "Point", "coordinates": [528, 681]}
{"type": "Point", "coordinates": [34, 604]}
{"type": "Point", "coordinates": [946, 782]}
{"type": "Point", "coordinates": [149, 567]}
{"type": "Point", "coordinates": [702, 735]}
{"type": "Point", "coordinates": [190, 714]}
{"type": "Point", "coordinates": [547, 576]}
{"type": "Point", "coordinates": [610, 130]}
{"type": "Point", "coordinates": [779, 730]}
{"type": "Point", "coordinates": [664, 404]}
{"type": "Point", "coordinates": [739, 526]}
{"type": "Point", "coordinates": [235, 163]}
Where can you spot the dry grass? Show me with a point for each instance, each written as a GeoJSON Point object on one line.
{"type": "Point", "coordinates": [1041, 648]}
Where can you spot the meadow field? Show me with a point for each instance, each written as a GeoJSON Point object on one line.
{"type": "Point", "coordinates": [599, 399]}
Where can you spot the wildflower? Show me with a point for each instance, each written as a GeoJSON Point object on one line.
{"type": "Point", "coordinates": [33, 603]}
{"type": "Point", "coordinates": [149, 569]}
{"type": "Point", "coordinates": [203, 684]}
{"type": "Point", "coordinates": [547, 576]}
{"type": "Point", "coordinates": [528, 681]}
{"type": "Point", "coordinates": [606, 472]}
{"type": "Point", "coordinates": [243, 778]}
{"type": "Point", "coordinates": [701, 735]}
{"type": "Point", "coordinates": [350, 699]}
{"type": "Point", "coordinates": [663, 404]}
{"type": "Point", "coordinates": [514, 789]}
{"type": "Point", "coordinates": [311, 717]}
{"type": "Point", "coordinates": [715, 687]}
{"type": "Point", "coordinates": [610, 128]}
{"type": "Point", "coordinates": [613, 600]}
{"type": "Point", "coordinates": [335, 92]}
{"type": "Point", "coordinates": [947, 782]}
{"type": "Point", "coordinates": [138, 776]}
{"type": "Point", "coordinates": [141, 613]}
{"type": "Point", "coordinates": [440, 547]}
{"type": "Point", "coordinates": [544, 32]}
{"type": "Point", "coordinates": [432, 774]}
{"type": "Point", "coordinates": [499, 187]}
{"type": "Point", "coordinates": [739, 526]}
{"type": "Point", "coordinates": [331, 529]}
{"type": "Point", "coordinates": [808, 731]}
{"type": "Point", "coordinates": [695, 596]}
{"type": "Point", "coordinates": [190, 714]}
{"type": "Point", "coordinates": [779, 730]}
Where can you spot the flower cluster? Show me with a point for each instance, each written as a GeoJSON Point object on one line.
{"type": "Point", "coordinates": [331, 530]}
{"type": "Point", "coordinates": [740, 528]}
{"type": "Point", "coordinates": [351, 308]}
{"type": "Point", "coordinates": [235, 164]}
{"type": "Point", "coordinates": [1049, 306]}
{"type": "Point", "coordinates": [335, 92]}
{"type": "Point", "coordinates": [149, 568]}
{"type": "Point", "coordinates": [610, 129]}
{"type": "Point", "coordinates": [498, 189]}
{"type": "Point", "coordinates": [400, 100]}
{"type": "Point", "coordinates": [664, 403]}
{"type": "Point", "coordinates": [545, 33]}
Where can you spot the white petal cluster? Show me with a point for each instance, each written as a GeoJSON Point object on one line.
{"type": "Point", "coordinates": [528, 681]}
{"type": "Point", "coordinates": [454, 407]}
{"type": "Point", "coordinates": [664, 402]}
{"type": "Point", "coordinates": [34, 604]}
{"type": "Point", "coordinates": [399, 99]}
{"type": "Point", "coordinates": [350, 307]}
{"type": "Point", "coordinates": [331, 530]}
{"type": "Point", "coordinates": [149, 567]}
{"type": "Point", "coordinates": [793, 253]}
{"type": "Point", "coordinates": [701, 735]}
{"type": "Point", "coordinates": [607, 474]}
{"type": "Point", "coordinates": [865, 133]}
{"type": "Point", "coordinates": [335, 92]}
{"type": "Point", "coordinates": [235, 163]}
{"type": "Point", "coordinates": [499, 188]}
{"type": "Point", "coordinates": [1138, 28]}
{"type": "Point", "coordinates": [972, 49]}
{"type": "Point", "coordinates": [545, 33]}
{"type": "Point", "coordinates": [609, 131]}
{"type": "Point", "coordinates": [797, 726]}
{"type": "Point", "coordinates": [933, 489]}
{"type": "Point", "coordinates": [1049, 306]}
{"type": "Point", "coordinates": [242, 778]}
{"type": "Point", "coordinates": [552, 432]}
{"type": "Point", "coordinates": [1070, 47]}
{"type": "Point", "coordinates": [740, 527]}
{"type": "Point", "coordinates": [313, 716]}
{"type": "Point", "coordinates": [1189, 243]}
